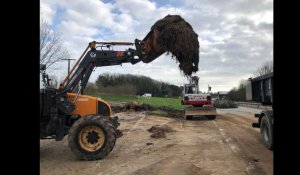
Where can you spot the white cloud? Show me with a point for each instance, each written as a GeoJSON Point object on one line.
{"type": "Point", "coordinates": [140, 9]}
{"type": "Point", "coordinates": [75, 29]}
{"type": "Point", "coordinates": [46, 13]}
{"type": "Point", "coordinates": [235, 36]}
{"type": "Point", "coordinates": [90, 12]}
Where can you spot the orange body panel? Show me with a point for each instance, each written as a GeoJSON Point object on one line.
{"type": "Point", "coordinates": [85, 104]}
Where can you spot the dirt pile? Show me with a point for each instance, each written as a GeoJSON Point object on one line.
{"type": "Point", "coordinates": [138, 106]}
{"type": "Point", "coordinates": [171, 112]}
{"type": "Point", "coordinates": [178, 37]}
{"type": "Point", "coordinates": [151, 110]}
{"type": "Point", "coordinates": [131, 106]}
{"type": "Point", "coordinates": [225, 104]}
{"type": "Point", "coordinates": [118, 108]}
{"type": "Point", "coordinates": [160, 131]}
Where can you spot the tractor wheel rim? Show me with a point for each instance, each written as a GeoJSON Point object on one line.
{"type": "Point", "coordinates": [91, 138]}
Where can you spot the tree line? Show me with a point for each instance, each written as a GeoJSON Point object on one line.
{"type": "Point", "coordinates": [239, 93]}
{"type": "Point", "coordinates": [128, 84]}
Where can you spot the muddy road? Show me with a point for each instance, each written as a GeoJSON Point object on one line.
{"type": "Point", "coordinates": [225, 146]}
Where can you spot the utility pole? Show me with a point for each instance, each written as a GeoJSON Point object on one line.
{"type": "Point", "coordinates": [209, 88]}
{"type": "Point", "coordinates": [69, 64]}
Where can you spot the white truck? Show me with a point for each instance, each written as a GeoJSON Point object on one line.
{"type": "Point", "coordinates": [200, 103]}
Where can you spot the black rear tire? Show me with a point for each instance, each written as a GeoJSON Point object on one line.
{"type": "Point", "coordinates": [188, 117]}
{"type": "Point", "coordinates": [211, 117]}
{"type": "Point", "coordinates": [266, 132]}
{"type": "Point", "coordinates": [95, 128]}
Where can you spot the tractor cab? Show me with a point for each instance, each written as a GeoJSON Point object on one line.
{"type": "Point", "coordinates": [190, 89]}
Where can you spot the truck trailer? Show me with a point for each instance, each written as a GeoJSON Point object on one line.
{"type": "Point", "coordinates": [260, 89]}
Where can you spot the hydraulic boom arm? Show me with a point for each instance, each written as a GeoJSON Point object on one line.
{"type": "Point", "coordinates": [81, 71]}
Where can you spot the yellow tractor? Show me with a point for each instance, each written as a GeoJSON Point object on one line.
{"type": "Point", "coordinates": [87, 120]}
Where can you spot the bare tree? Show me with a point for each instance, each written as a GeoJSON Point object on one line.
{"type": "Point", "coordinates": [266, 68]}
{"type": "Point", "coordinates": [242, 83]}
{"type": "Point", "coordinates": [51, 47]}
{"type": "Point", "coordinates": [238, 93]}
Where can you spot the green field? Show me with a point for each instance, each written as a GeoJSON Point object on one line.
{"type": "Point", "coordinates": [154, 101]}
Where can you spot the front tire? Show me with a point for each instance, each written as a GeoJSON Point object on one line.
{"type": "Point", "coordinates": [92, 137]}
{"type": "Point", "coordinates": [266, 132]}
{"type": "Point", "coordinates": [211, 117]}
{"type": "Point", "coordinates": [188, 117]}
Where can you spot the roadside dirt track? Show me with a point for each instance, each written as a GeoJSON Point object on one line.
{"type": "Point", "coordinates": [225, 146]}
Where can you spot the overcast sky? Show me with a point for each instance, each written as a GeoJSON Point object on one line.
{"type": "Point", "coordinates": [236, 36]}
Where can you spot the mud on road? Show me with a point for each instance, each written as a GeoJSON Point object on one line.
{"type": "Point", "coordinates": [227, 145]}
